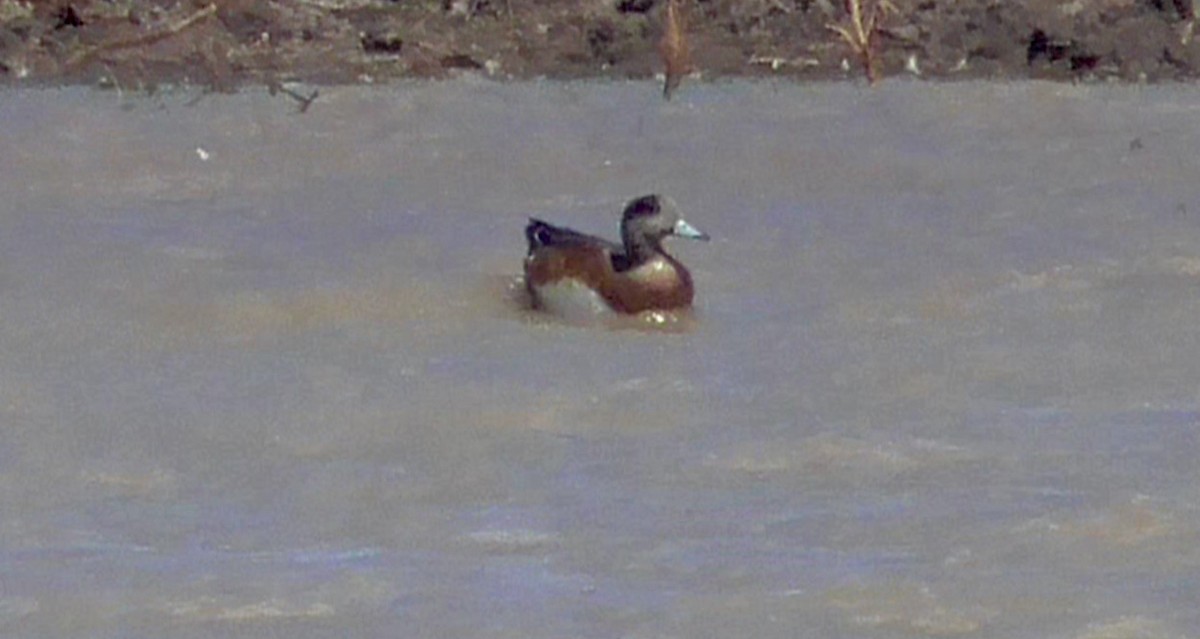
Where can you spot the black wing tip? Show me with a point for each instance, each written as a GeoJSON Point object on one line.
{"type": "Point", "coordinates": [537, 232]}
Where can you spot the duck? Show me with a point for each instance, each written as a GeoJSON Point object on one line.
{"type": "Point", "coordinates": [570, 273]}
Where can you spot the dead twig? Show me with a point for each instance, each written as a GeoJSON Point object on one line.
{"type": "Point", "coordinates": [674, 48]}
{"type": "Point", "coordinates": [140, 39]}
{"type": "Point", "coordinates": [862, 32]}
{"type": "Point", "coordinates": [304, 101]}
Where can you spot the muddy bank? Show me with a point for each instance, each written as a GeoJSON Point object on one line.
{"type": "Point", "coordinates": [139, 44]}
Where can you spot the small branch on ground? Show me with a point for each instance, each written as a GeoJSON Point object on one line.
{"type": "Point", "coordinates": [862, 32]}
{"type": "Point", "coordinates": [140, 39]}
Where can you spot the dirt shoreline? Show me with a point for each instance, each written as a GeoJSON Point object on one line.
{"type": "Point", "coordinates": [226, 44]}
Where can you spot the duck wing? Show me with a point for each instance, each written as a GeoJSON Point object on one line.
{"type": "Point", "coordinates": [540, 233]}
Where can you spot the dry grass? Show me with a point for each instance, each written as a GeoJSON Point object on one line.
{"type": "Point", "coordinates": [674, 48]}
{"type": "Point", "coordinates": [151, 36]}
{"type": "Point", "coordinates": [862, 30]}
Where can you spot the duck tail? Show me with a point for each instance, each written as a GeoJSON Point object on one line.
{"type": "Point", "coordinates": [538, 233]}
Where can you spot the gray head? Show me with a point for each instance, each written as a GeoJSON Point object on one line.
{"type": "Point", "coordinates": [649, 219]}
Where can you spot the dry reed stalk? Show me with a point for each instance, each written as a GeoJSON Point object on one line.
{"type": "Point", "coordinates": [152, 36]}
{"type": "Point", "coordinates": [674, 48]}
{"type": "Point", "coordinates": [862, 33]}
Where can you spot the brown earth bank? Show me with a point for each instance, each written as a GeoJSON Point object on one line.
{"type": "Point", "coordinates": [224, 44]}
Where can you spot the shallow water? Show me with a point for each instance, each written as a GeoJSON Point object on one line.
{"type": "Point", "coordinates": [263, 373]}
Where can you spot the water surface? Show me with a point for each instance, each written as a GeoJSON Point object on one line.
{"type": "Point", "coordinates": [262, 373]}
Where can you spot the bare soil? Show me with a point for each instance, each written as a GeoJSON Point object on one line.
{"type": "Point", "coordinates": [225, 44]}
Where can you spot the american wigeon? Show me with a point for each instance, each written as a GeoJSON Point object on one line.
{"type": "Point", "coordinates": [568, 272]}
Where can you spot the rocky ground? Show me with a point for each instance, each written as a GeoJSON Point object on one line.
{"type": "Point", "coordinates": [224, 44]}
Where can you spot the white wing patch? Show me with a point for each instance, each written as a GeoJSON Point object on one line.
{"type": "Point", "coordinates": [571, 299]}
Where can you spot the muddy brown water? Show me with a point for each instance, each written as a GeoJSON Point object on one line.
{"type": "Point", "coordinates": [264, 373]}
